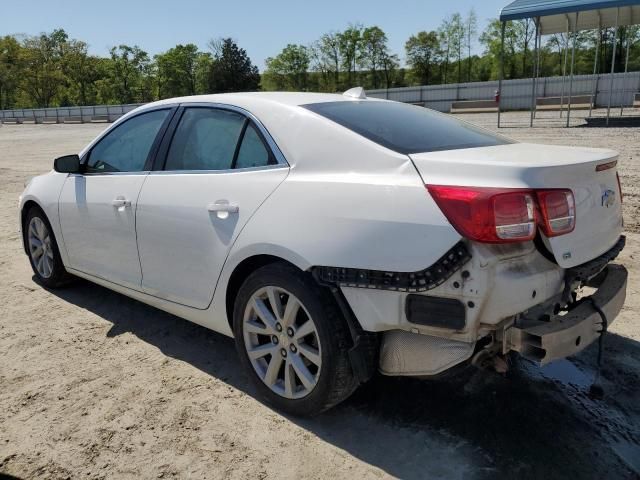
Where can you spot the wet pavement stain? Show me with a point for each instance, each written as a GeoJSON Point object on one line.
{"type": "Point", "coordinates": [532, 423]}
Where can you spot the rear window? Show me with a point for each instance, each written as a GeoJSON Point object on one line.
{"type": "Point", "coordinates": [405, 128]}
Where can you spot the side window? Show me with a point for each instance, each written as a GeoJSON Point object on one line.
{"type": "Point", "coordinates": [205, 139]}
{"type": "Point", "coordinates": [126, 147]}
{"type": "Point", "coordinates": [253, 152]}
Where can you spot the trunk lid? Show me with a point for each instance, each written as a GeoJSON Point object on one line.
{"type": "Point", "coordinates": [522, 165]}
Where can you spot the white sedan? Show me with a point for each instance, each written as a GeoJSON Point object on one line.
{"type": "Point", "coordinates": [335, 235]}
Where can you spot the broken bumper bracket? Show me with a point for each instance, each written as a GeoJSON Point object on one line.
{"type": "Point", "coordinates": [568, 334]}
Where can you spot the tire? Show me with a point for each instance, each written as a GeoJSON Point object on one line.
{"type": "Point", "coordinates": [48, 267]}
{"type": "Point", "coordinates": [323, 351]}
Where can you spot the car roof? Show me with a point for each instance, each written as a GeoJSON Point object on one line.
{"type": "Point", "coordinates": [280, 113]}
{"type": "Point", "coordinates": [247, 98]}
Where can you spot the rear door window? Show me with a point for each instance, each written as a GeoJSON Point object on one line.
{"type": "Point", "coordinates": [253, 152]}
{"type": "Point", "coordinates": [205, 139]}
{"type": "Point", "coordinates": [406, 128]}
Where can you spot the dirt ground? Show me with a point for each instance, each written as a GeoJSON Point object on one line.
{"type": "Point", "coordinates": [95, 385]}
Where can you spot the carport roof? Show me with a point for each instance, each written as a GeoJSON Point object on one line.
{"type": "Point", "coordinates": [556, 14]}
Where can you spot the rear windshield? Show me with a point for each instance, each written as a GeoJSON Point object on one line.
{"type": "Point", "coordinates": [405, 128]}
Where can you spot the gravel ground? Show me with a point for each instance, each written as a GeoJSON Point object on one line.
{"type": "Point", "coordinates": [95, 385]}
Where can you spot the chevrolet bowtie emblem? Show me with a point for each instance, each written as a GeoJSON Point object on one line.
{"type": "Point", "coordinates": [608, 198]}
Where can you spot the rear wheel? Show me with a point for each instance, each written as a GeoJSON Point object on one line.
{"type": "Point", "coordinates": [43, 252]}
{"type": "Point", "coordinates": [293, 340]}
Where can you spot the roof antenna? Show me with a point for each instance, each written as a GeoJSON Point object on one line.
{"type": "Point", "coordinates": [356, 92]}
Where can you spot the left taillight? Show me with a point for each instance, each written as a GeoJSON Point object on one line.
{"type": "Point", "coordinates": [496, 215]}
{"type": "Point", "coordinates": [488, 215]}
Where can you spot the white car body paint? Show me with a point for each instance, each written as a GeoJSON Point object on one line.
{"type": "Point", "coordinates": [195, 242]}
{"type": "Point", "coordinates": [541, 166]}
{"type": "Point", "coordinates": [339, 200]}
{"type": "Point", "coordinates": [100, 239]}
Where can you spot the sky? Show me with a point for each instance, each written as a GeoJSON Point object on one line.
{"type": "Point", "coordinates": [262, 28]}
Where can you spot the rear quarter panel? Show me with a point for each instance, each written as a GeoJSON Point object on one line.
{"type": "Point", "coordinates": [347, 202]}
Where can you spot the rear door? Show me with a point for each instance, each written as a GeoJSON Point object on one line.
{"type": "Point", "coordinates": [216, 170]}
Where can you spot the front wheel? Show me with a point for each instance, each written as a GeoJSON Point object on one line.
{"type": "Point", "coordinates": [43, 252]}
{"type": "Point", "coordinates": [293, 341]}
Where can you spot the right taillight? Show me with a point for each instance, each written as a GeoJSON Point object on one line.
{"type": "Point", "coordinates": [498, 215]}
{"type": "Point", "coordinates": [558, 211]}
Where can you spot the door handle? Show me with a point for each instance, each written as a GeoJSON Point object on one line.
{"type": "Point", "coordinates": [120, 202]}
{"type": "Point", "coordinates": [222, 208]}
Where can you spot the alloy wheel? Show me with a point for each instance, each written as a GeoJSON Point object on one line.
{"type": "Point", "coordinates": [282, 342]}
{"type": "Point", "coordinates": [40, 247]}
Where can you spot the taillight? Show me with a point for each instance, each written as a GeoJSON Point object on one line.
{"type": "Point", "coordinates": [558, 209]}
{"type": "Point", "coordinates": [498, 215]}
{"type": "Point", "coordinates": [490, 215]}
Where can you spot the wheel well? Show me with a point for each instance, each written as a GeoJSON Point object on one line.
{"type": "Point", "coordinates": [362, 354]}
{"type": "Point", "coordinates": [240, 274]}
{"type": "Point", "coordinates": [28, 205]}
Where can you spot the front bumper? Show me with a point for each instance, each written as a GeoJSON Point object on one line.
{"type": "Point", "coordinates": [558, 336]}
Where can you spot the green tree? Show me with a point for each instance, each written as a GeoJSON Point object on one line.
{"type": "Point", "coordinates": [81, 71]}
{"type": "Point", "coordinates": [446, 43]}
{"type": "Point", "coordinates": [10, 71]}
{"type": "Point", "coordinates": [490, 38]}
{"type": "Point", "coordinates": [390, 64]}
{"type": "Point", "coordinates": [374, 55]}
{"type": "Point", "coordinates": [349, 45]}
{"type": "Point", "coordinates": [129, 72]}
{"type": "Point", "coordinates": [231, 69]}
{"type": "Point", "coordinates": [423, 54]}
{"type": "Point", "coordinates": [288, 70]}
{"type": "Point", "coordinates": [456, 36]}
{"type": "Point", "coordinates": [203, 66]}
{"type": "Point", "coordinates": [471, 30]}
{"type": "Point", "coordinates": [525, 31]}
{"type": "Point", "coordinates": [327, 59]}
{"type": "Point", "coordinates": [177, 71]}
{"type": "Point", "coordinates": [42, 75]}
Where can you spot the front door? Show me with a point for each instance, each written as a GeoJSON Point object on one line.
{"type": "Point", "coordinates": [98, 208]}
{"type": "Point", "coordinates": [218, 171]}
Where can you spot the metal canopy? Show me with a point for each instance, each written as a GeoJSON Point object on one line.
{"type": "Point", "coordinates": [593, 14]}
{"type": "Point", "coordinates": [570, 16]}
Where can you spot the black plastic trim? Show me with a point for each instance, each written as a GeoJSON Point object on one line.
{"type": "Point", "coordinates": [420, 281]}
{"type": "Point", "coordinates": [435, 312]}
{"type": "Point", "coordinates": [365, 348]}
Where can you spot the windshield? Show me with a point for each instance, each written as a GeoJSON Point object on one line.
{"type": "Point", "coordinates": [406, 128]}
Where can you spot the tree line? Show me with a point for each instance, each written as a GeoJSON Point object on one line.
{"type": "Point", "coordinates": [52, 69]}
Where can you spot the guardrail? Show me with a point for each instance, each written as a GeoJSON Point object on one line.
{"type": "Point", "coordinates": [88, 114]}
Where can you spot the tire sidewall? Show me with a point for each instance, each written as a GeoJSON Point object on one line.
{"type": "Point", "coordinates": [59, 273]}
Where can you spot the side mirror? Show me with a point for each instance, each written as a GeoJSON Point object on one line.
{"type": "Point", "coordinates": [67, 164]}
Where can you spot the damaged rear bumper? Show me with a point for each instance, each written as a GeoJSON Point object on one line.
{"type": "Point", "coordinates": [560, 336]}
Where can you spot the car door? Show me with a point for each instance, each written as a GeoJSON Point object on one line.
{"type": "Point", "coordinates": [97, 208]}
{"type": "Point", "coordinates": [219, 166]}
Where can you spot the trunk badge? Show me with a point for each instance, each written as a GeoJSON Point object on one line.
{"type": "Point", "coordinates": [608, 198]}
